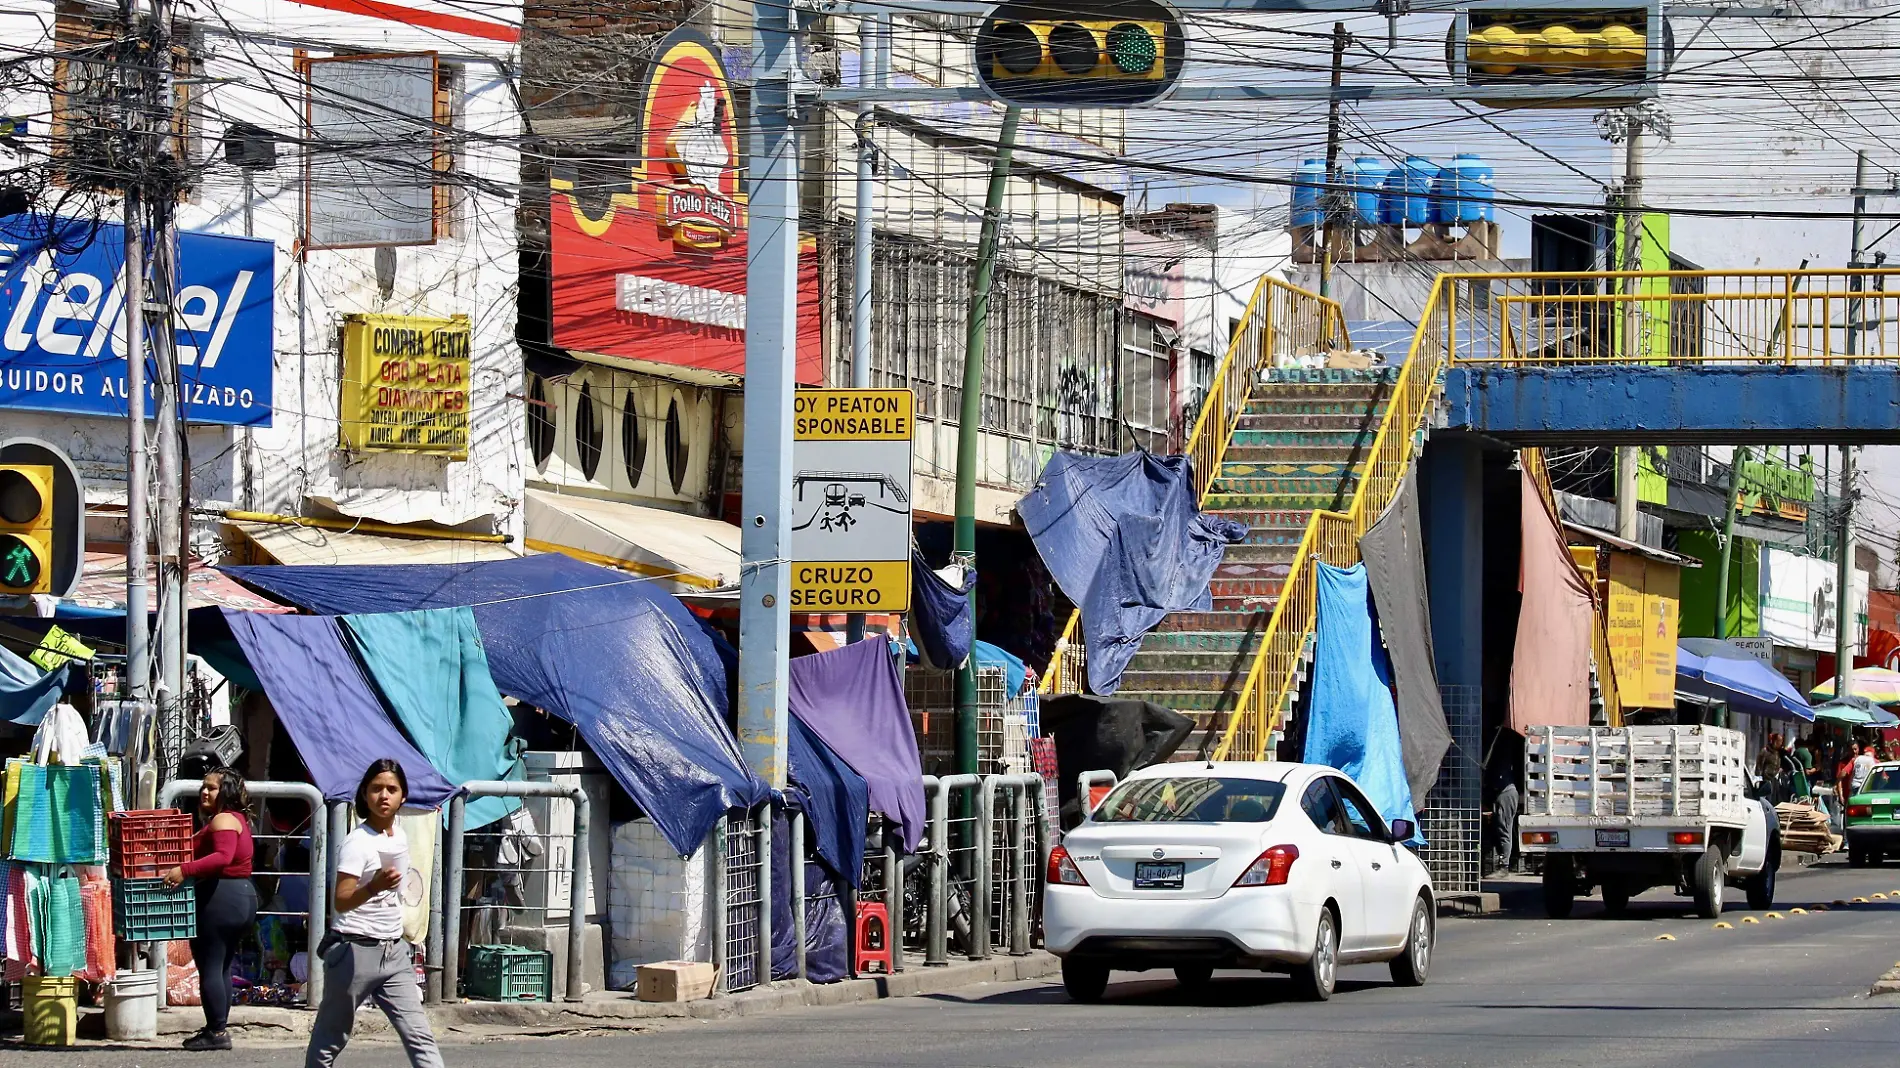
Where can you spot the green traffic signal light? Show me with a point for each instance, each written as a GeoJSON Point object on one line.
{"type": "Point", "coordinates": [1133, 49]}
{"type": "Point", "coordinates": [19, 563]}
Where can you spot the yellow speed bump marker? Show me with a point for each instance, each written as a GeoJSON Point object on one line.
{"type": "Point", "coordinates": [1750, 919]}
{"type": "Point", "coordinates": [1880, 897]}
{"type": "Point", "coordinates": [1797, 912]}
{"type": "Point", "coordinates": [1724, 926]}
{"type": "Point", "coordinates": [1840, 902]}
{"type": "Point", "coordinates": [1665, 938]}
{"type": "Point", "coordinates": [1774, 915]}
{"type": "Point", "coordinates": [1860, 901]}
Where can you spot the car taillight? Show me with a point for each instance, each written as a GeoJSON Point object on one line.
{"type": "Point", "coordinates": [1062, 870]}
{"type": "Point", "coordinates": [1860, 810]}
{"type": "Point", "coordinates": [1539, 838]}
{"type": "Point", "coordinates": [1270, 868]}
{"type": "Point", "coordinates": [1686, 838]}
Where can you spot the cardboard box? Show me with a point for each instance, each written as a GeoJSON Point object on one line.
{"type": "Point", "coordinates": [676, 980]}
{"type": "Point", "coordinates": [1350, 361]}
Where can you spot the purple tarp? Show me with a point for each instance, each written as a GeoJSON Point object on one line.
{"type": "Point", "coordinates": [853, 698]}
{"type": "Point", "coordinates": [329, 706]}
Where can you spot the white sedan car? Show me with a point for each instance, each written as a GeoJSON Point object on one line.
{"type": "Point", "coordinates": [1275, 866]}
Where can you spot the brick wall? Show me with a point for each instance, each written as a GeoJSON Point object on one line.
{"type": "Point", "coordinates": [585, 59]}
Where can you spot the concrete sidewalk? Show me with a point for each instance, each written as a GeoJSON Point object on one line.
{"type": "Point", "coordinates": [619, 1011]}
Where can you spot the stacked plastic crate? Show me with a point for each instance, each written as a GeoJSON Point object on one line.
{"type": "Point", "coordinates": [145, 844]}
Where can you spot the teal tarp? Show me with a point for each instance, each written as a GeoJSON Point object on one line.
{"type": "Point", "coordinates": [433, 672]}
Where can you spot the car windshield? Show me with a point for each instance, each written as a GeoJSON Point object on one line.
{"type": "Point", "coordinates": [1881, 781]}
{"type": "Point", "coordinates": [1199, 799]}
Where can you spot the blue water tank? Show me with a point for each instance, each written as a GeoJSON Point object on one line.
{"type": "Point", "coordinates": [1306, 193]}
{"type": "Point", "coordinates": [1414, 177]}
{"type": "Point", "coordinates": [1467, 188]}
{"type": "Point", "coordinates": [1392, 199]}
{"type": "Point", "coordinates": [1368, 181]}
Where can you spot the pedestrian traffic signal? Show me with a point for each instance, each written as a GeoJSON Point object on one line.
{"type": "Point", "coordinates": [26, 528]}
{"type": "Point", "coordinates": [1509, 46]}
{"type": "Point", "coordinates": [1114, 54]}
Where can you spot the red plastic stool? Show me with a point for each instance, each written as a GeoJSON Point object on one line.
{"type": "Point", "coordinates": [873, 956]}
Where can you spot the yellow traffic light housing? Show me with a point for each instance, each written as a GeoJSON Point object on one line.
{"type": "Point", "coordinates": [1114, 54]}
{"type": "Point", "coordinates": [26, 529]}
{"type": "Point", "coordinates": [1596, 53]}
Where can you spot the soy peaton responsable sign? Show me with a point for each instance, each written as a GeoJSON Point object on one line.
{"type": "Point", "coordinates": [851, 502]}
{"type": "Point", "coordinates": [405, 384]}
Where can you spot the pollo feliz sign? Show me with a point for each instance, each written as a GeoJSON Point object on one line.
{"type": "Point", "coordinates": [406, 384]}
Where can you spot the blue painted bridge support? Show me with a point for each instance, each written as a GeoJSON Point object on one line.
{"type": "Point", "coordinates": [1741, 404]}
{"type": "Point", "coordinates": [1452, 491]}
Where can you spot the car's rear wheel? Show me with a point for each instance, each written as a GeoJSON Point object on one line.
{"type": "Point", "coordinates": [1411, 967]}
{"type": "Point", "coordinates": [1560, 887]}
{"type": "Point", "coordinates": [1858, 856]}
{"type": "Point", "coordinates": [1315, 979]}
{"type": "Point", "coordinates": [1085, 982]}
{"type": "Point", "coordinates": [1193, 976]}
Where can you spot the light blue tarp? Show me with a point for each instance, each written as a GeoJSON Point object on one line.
{"type": "Point", "coordinates": [432, 671]}
{"type": "Point", "coordinates": [26, 692]}
{"type": "Point", "coordinates": [1352, 723]}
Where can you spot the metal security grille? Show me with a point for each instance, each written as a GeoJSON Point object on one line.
{"type": "Point", "coordinates": [932, 698]}
{"type": "Point", "coordinates": [743, 859]}
{"type": "Point", "coordinates": [1453, 818]}
{"type": "Point", "coordinates": [1022, 809]}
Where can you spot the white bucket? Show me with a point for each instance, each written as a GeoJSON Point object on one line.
{"type": "Point", "coordinates": [132, 1007]}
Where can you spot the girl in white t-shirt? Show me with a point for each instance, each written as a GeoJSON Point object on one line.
{"type": "Point", "coordinates": [364, 955]}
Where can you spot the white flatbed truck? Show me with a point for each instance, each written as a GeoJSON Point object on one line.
{"type": "Point", "coordinates": [1626, 809]}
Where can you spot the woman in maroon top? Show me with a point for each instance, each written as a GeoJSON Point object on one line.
{"type": "Point", "coordinates": [227, 901]}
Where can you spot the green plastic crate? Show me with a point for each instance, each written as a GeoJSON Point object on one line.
{"type": "Point", "coordinates": [146, 910]}
{"type": "Point", "coordinates": [510, 973]}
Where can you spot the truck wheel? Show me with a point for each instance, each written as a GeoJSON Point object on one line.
{"type": "Point", "coordinates": [1616, 898]}
{"type": "Point", "coordinates": [1560, 887]}
{"type": "Point", "coordinates": [1708, 883]}
{"type": "Point", "coordinates": [1761, 887]}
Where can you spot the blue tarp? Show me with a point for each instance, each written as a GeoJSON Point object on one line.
{"type": "Point", "coordinates": [1352, 723]}
{"type": "Point", "coordinates": [853, 698]}
{"type": "Point", "coordinates": [941, 615]}
{"type": "Point", "coordinates": [1124, 539]}
{"type": "Point", "coordinates": [614, 655]}
{"type": "Point", "coordinates": [26, 692]}
{"type": "Point", "coordinates": [329, 706]}
{"type": "Point", "coordinates": [836, 801]}
{"type": "Point", "coordinates": [433, 674]}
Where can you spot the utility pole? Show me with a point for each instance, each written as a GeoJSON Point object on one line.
{"type": "Point", "coordinates": [1626, 455]}
{"type": "Point", "coordinates": [1333, 195]}
{"type": "Point", "coordinates": [970, 418]}
{"type": "Point", "coordinates": [771, 338]}
{"type": "Point", "coordinates": [1846, 620]}
{"type": "Point", "coordinates": [1736, 461]}
{"type": "Point", "coordinates": [1857, 250]}
{"type": "Point", "coordinates": [171, 504]}
{"type": "Point", "coordinates": [138, 654]}
{"type": "Point", "coordinates": [861, 267]}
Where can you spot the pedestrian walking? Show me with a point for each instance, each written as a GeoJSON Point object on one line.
{"type": "Point", "coordinates": [364, 955]}
{"type": "Point", "coordinates": [222, 849]}
{"type": "Point", "coordinates": [1504, 809]}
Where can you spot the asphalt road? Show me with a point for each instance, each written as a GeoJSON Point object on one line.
{"type": "Point", "coordinates": [1510, 991]}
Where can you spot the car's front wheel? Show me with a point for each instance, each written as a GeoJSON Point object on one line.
{"type": "Point", "coordinates": [1316, 978]}
{"type": "Point", "coordinates": [1085, 982]}
{"type": "Point", "coordinates": [1412, 966]}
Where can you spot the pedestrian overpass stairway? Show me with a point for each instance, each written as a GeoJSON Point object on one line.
{"type": "Point", "coordinates": [1299, 446]}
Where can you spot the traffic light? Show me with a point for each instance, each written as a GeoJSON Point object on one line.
{"type": "Point", "coordinates": [1115, 54]}
{"type": "Point", "coordinates": [1579, 48]}
{"type": "Point", "coordinates": [26, 528]}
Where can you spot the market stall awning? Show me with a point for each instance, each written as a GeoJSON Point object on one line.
{"type": "Point", "coordinates": [683, 552]}
{"type": "Point", "coordinates": [1723, 671]}
{"type": "Point", "coordinates": [101, 590]}
{"type": "Point", "coordinates": [288, 544]}
{"type": "Point", "coordinates": [1878, 685]}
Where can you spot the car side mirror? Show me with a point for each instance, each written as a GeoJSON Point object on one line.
{"type": "Point", "coordinates": [1402, 830]}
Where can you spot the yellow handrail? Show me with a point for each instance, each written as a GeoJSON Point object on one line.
{"type": "Point", "coordinates": [1280, 319]}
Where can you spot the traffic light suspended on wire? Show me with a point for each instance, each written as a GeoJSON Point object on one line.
{"type": "Point", "coordinates": [1591, 56]}
{"type": "Point", "coordinates": [1117, 54]}
{"type": "Point", "coordinates": [26, 529]}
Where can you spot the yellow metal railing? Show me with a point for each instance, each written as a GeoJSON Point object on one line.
{"type": "Point", "coordinates": [1281, 322]}
{"type": "Point", "coordinates": [1334, 536]}
{"type": "Point", "coordinates": [1678, 317]}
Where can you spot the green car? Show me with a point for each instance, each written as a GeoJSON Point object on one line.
{"type": "Point", "coordinates": [1873, 826]}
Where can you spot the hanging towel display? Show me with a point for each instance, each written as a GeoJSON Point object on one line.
{"type": "Point", "coordinates": [433, 673]}
{"type": "Point", "coordinates": [1126, 542]}
{"type": "Point", "coordinates": [941, 617]}
{"type": "Point", "coordinates": [325, 701]}
{"type": "Point", "coordinates": [1394, 551]}
{"type": "Point", "coordinates": [1352, 722]}
{"type": "Point", "coordinates": [853, 699]}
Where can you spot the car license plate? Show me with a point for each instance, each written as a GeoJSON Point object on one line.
{"type": "Point", "coordinates": [1159, 874]}
{"type": "Point", "coordinates": [1613, 839]}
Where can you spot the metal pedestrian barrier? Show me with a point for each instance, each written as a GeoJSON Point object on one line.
{"type": "Point", "coordinates": [318, 864]}
{"type": "Point", "coordinates": [451, 940]}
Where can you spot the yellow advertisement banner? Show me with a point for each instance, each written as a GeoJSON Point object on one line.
{"type": "Point", "coordinates": [405, 384]}
{"type": "Point", "coordinates": [1645, 612]}
{"type": "Point", "coordinates": [845, 586]}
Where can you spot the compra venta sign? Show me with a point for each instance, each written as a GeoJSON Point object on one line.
{"type": "Point", "coordinates": [405, 385]}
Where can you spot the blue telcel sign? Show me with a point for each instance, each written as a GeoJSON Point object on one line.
{"type": "Point", "coordinates": [62, 321]}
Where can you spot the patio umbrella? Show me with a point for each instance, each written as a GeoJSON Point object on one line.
{"type": "Point", "coordinates": [1876, 684]}
{"type": "Point", "coordinates": [1856, 711]}
{"type": "Point", "coordinates": [1722, 671]}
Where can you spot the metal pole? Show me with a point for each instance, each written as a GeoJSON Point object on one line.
{"type": "Point", "coordinates": [894, 902]}
{"type": "Point", "coordinates": [1853, 256]}
{"type": "Point", "coordinates": [432, 990]}
{"type": "Point", "coordinates": [138, 653]}
{"type": "Point", "coordinates": [452, 901]}
{"type": "Point", "coordinates": [1846, 620]}
{"type": "Point", "coordinates": [861, 266]}
{"type": "Point", "coordinates": [970, 418]}
{"type": "Point", "coordinates": [937, 795]}
{"type": "Point", "coordinates": [164, 338]}
{"type": "Point", "coordinates": [1332, 194]}
{"type": "Point", "coordinates": [1626, 455]}
{"type": "Point", "coordinates": [1736, 461]}
{"type": "Point", "coordinates": [719, 881]}
{"type": "Point", "coordinates": [985, 859]}
{"type": "Point", "coordinates": [765, 897]}
{"type": "Point", "coordinates": [1019, 876]}
{"type": "Point", "coordinates": [797, 849]}
{"type": "Point", "coordinates": [771, 350]}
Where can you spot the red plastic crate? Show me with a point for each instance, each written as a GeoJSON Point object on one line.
{"type": "Point", "coordinates": [148, 842]}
